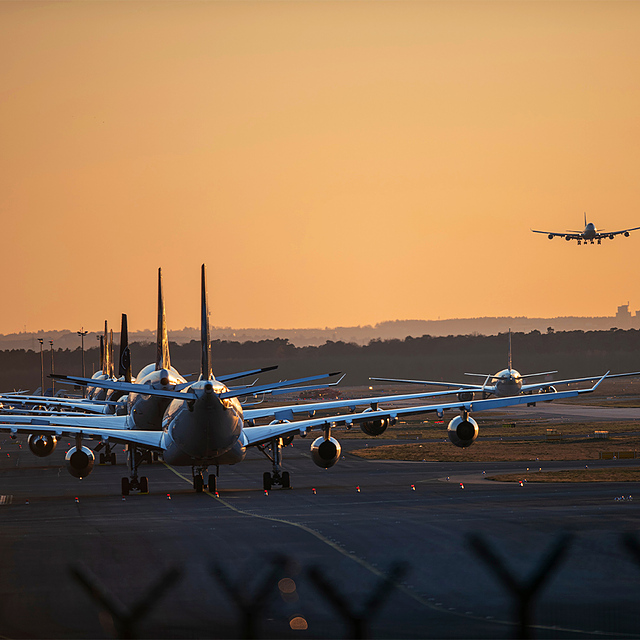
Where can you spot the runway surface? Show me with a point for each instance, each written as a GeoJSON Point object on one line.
{"type": "Point", "coordinates": [352, 536]}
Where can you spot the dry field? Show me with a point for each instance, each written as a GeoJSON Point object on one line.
{"type": "Point", "coordinates": [502, 451]}
{"type": "Point", "coordinates": [620, 474]}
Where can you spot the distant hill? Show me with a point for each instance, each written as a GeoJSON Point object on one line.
{"type": "Point", "coordinates": [362, 335]}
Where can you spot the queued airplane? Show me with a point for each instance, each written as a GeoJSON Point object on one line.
{"type": "Point", "coordinates": [205, 426]}
{"type": "Point", "coordinates": [588, 233]}
{"type": "Point", "coordinates": [504, 384]}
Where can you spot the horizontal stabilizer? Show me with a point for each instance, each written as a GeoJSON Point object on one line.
{"type": "Point", "coordinates": [267, 388]}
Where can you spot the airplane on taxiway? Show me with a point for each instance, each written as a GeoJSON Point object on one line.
{"type": "Point", "coordinates": [506, 383]}
{"type": "Point", "coordinates": [205, 426]}
{"type": "Point", "coordinates": [588, 233]}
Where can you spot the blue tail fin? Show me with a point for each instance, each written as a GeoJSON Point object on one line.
{"type": "Point", "coordinates": [124, 366]}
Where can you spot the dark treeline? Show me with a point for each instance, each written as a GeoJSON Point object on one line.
{"type": "Point", "coordinates": [572, 353]}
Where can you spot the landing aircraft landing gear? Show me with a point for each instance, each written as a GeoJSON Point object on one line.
{"type": "Point", "coordinates": [277, 477]}
{"type": "Point", "coordinates": [133, 483]}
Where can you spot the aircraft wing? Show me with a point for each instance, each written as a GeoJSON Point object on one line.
{"type": "Point", "coordinates": [553, 383]}
{"type": "Point", "coordinates": [606, 234]}
{"type": "Point", "coordinates": [260, 435]}
{"type": "Point", "coordinates": [147, 439]}
{"type": "Point", "coordinates": [458, 385]}
{"type": "Point", "coordinates": [287, 412]}
{"type": "Point", "coordinates": [127, 387]}
{"type": "Point", "coordinates": [558, 235]}
{"type": "Point", "coordinates": [92, 422]}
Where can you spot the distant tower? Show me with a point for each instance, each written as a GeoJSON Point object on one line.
{"type": "Point", "coordinates": [623, 316]}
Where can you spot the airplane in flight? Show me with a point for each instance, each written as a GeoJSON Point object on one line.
{"type": "Point", "coordinates": [505, 383]}
{"type": "Point", "coordinates": [205, 426]}
{"type": "Point", "coordinates": [588, 233]}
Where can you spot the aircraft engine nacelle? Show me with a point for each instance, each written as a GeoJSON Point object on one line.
{"type": "Point", "coordinates": [79, 462]}
{"type": "Point", "coordinates": [461, 432]}
{"type": "Point", "coordinates": [375, 427]}
{"type": "Point", "coordinates": [325, 453]}
{"type": "Point", "coordinates": [42, 446]}
{"type": "Point", "coordinates": [550, 236]}
{"type": "Point", "coordinates": [465, 396]}
{"type": "Point", "coordinates": [626, 234]}
{"type": "Point", "coordinates": [549, 389]}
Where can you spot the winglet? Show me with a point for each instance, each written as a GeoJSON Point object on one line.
{"type": "Point", "coordinates": [124, 365]}
{"type": "Point", "coordinates": [206, 372]}
{"type": "Point", "coordinates": [162, 339]}
{"type": "Point", "coordinates": [597, 384]}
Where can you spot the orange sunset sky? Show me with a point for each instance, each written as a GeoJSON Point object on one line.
{"type": "Point", "coordinates": [333, 163]}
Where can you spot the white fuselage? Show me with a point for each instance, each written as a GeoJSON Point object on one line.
{"type": "Point", "coordinates": [507, 382]}
{"type": "Point", "coordinates": [204, 431]}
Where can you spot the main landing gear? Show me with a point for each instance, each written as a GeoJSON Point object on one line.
{"type": "Point", "coordinates": [108, 456]}
{"type": "Point", "coordinates": [277, 477]}
{"type": "Point", "coordinates": [198, 479]}
{"type": "Point", "coordinates": [133, 483]}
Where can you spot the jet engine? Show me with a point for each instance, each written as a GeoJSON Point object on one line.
{"type": "Point", "coordinates": [465, 396]}
{"type": "Point", "coordinates": [462, 432]}
{"type": "Point", "coordinates": [376, 426]}
{"type": "Point", "coordinates": [626, 234]}
{"type": "Point", "coordinates": [42, 446]}
{"type": "Point", "coordinates": [79, 462]}
{"type": "Point", "coordinates": [550, 236]}
{"type": "Point", "coordinates": [325, 453]}
{"type": "Point", "coordinates": [549, 389]}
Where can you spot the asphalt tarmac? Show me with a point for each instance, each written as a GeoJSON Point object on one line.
{"type": "Point", "coordinates": [351, 523]}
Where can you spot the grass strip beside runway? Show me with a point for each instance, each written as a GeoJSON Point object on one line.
{"type": "Point", "coordinates": [501, 451]}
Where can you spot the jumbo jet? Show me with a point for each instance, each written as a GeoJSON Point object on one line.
{"type": "Point", "coordinates": [588, 233]}
{"type": "Point", "coordinates": [504, 384]}
{"type": "Point", "coordinates": [205, 426]}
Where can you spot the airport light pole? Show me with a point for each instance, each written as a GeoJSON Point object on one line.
{"type": "Point", "coordinates": [41, 340]}
{"type": "Point", "coordinates": [53, 382]}
{"type": "Point", "coordinates": [82, 333]}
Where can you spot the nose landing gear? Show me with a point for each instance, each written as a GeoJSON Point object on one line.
{"type": "Point", "coordinates": [199, 484]}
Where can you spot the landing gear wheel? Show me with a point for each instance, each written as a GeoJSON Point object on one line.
{"type": "Point", "coordinates": [155, 456]}
{"type": "Point", "coordinates": [113, 458]}
{"type": "Point", "coordinates": [198, 483]}
{"type": "Point", "coordinates": [125, 486]}
{"type": "Point", "coordinates": [286, 480]}
{"type": "Point", "coordinates": [266, 480]}
{"type": "Point", "coordinates": [101, 458]}
{"type": "Point", "coordinates": [213, 483]}
{"type": "Point", "coordinates": [144, 484]}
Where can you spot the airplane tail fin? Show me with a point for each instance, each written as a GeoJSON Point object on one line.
{"type": "Point", "coordinates": [112, 365]}
{"type": "Point", "coordinates": [162, 352]}
{"type": "Point", "coordinates": [509, 349]}
{"type": "Point", "coordinates": [102, 353]}
{"type": "Point", "coordinates": [585, 218]}
{"type": "Point", "coordinates": [124, 366]}
{"type": "Point", "coordinates": [106, 361]}
{"type": "Point", "coordinates": [206, 372]}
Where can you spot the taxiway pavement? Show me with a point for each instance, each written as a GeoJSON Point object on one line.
{"type": "Point", "coordinates": [351, 522]}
